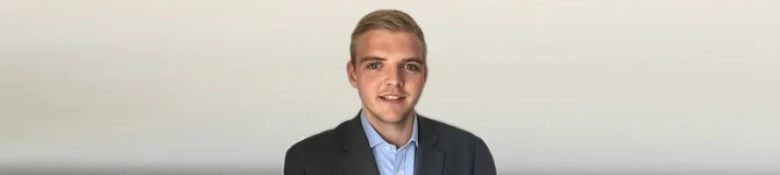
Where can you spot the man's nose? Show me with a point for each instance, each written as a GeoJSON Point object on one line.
{"type": "Point", "coordinates": [394, 77]}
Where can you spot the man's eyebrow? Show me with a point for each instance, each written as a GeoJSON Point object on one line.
{"type": "Point", "coordinates": [414, 59]}
{"type": "Point", "coordinates": [372, 58]}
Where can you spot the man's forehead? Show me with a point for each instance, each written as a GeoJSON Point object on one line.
{"type": "Point", "coordinates": [386, 38]}
{"type": "Point", "coordinates": [388, 46]}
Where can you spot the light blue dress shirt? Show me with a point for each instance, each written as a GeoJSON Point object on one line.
{"type": "Point", "coordinates": [390, 159]}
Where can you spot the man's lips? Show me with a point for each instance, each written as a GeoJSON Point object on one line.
{"type": "Point", "coordinates": [392, 97]}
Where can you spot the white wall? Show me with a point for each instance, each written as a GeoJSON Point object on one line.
{"type": "Point", "coordinates": [553, 86]}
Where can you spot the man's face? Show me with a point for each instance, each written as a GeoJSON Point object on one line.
{"type": "Point", "coordinates": [389, 74]}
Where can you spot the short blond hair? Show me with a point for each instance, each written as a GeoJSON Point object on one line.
{"type": "Point", "coordinates": [387, 19]}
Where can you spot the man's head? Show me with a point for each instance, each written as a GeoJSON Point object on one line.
{"type": "Point", "coordinates": [387, 64]}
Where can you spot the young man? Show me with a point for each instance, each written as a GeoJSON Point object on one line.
{"type": "Point", "coordinates": [387, 137]}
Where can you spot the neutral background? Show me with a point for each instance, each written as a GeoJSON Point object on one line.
{"type": "Point", "coordinates": [553, 86]}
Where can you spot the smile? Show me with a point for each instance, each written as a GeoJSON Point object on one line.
{"type": "Point", "coordinates": [392, 97]}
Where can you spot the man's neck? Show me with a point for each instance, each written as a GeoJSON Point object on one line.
{"type": "Point", "coordinates": [397, 134]}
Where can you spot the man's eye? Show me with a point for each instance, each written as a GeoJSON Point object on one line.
{"type": "Point", "coordinates": [411, 67]}
{"type": "Point", "coordinates": [373, 65]}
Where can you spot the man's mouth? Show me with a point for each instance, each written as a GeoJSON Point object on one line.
{"type": "Point", "coordinates": [392, 97]}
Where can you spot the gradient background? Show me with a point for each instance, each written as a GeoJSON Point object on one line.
{"type": "Point", "coordinates": [553, 86]}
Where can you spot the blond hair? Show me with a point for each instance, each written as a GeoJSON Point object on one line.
{"type": "Point", "coordinates": [387, 19]}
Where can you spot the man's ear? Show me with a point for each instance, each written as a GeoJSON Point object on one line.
{"type": "Point", "coordinates": [351, 75]}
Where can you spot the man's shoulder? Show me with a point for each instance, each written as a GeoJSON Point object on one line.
{"type": "Point", "coordinates": [450, 133]}
{"type": "Point", "coordinates": [329, 139]}
{"type": "Point", "coordinates": [462, 143]}
{"type": "Point", "coordinates": [323, 138]}
{"type": "Point", "coordinates": [315, 152]}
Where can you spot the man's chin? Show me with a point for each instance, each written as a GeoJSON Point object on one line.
{"type": "Point", "coordinates": [392, 117]}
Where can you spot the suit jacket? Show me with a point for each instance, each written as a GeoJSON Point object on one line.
{"type": "Point", "coordinates": [344, 150]}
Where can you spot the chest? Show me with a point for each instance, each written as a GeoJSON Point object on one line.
{"type": "Point", "coordinates": [392, 161]}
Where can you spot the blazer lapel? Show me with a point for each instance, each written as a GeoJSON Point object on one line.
{"type": "Point", "coordinates": [358, 158]}
{"type": "Point", "coordinates": [429, 159]}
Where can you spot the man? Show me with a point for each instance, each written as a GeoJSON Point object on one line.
{"type": "Point", "coordinates": [387, 137]}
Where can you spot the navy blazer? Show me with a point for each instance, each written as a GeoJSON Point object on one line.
{"type": "Point", "coordinates": [443, 150]}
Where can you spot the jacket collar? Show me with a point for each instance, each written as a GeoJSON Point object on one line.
{"type": "Point", "coordinates": [359, 159]}
{"type": "Point", "coordinates": [375, 139]}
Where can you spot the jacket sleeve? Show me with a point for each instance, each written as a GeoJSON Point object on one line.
{"type": "Point", "coordinates": [483, 159]}
{"type": "Point", "coordinates": [292, 162]}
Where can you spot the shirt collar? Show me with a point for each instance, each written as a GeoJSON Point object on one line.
{"type": "Point", "coordinates": [374, 138]}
